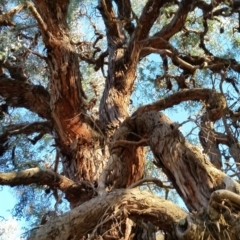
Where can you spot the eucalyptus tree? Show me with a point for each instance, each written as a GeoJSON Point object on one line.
{"type": "Point", "coordinates": [77, 67]}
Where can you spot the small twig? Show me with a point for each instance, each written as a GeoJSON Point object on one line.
{"type": "Point", "coordinates": [37, 54]}
{"type": "Point", "coordinates": [171, 54]}
{"type": "Point", "coordinates": [56, 161]}
{"type": "Point", "coordinates": [101, 223]}
{"type": "Point", "coordinates": [158, 182]}
{"type": "Point", "coordinates": [32, 229]}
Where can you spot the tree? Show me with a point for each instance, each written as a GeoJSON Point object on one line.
{"type": "Point", "coordinates": [99, 144]}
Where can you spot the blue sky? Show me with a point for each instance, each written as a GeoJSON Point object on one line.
{"type": "Point", "coordinates": [7, 201]}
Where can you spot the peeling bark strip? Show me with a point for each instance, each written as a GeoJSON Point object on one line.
{"type": "Point", "coordinates": [118, 204]}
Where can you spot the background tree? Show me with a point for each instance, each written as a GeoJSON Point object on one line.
{"type": "Point", "coordinates": [72, 126]}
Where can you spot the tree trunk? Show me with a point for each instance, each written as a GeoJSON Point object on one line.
{"type": "Point", "coordinates": [77, 135]}
{"type": "Point", "coordinates": [114, 207]}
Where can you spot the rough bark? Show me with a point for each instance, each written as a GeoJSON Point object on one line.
{"type": "Point", "coordinates": [117, 205]}
{"type": "Point", "coordinates": [184, 164]}
{"type": "Point", "coordinates": [77, 134]}
{"type": "Point", "coordinates": [209, 142]}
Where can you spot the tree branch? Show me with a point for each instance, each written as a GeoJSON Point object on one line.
{"type": "Point", "coordinates": [48, 177]}
{"type": "Point", "coordinates": [187, 62]}
{"type": "Point", "coordinates": [184, 164]}
{"type": "Point", "coordinates": [156, 181]}
{"type": "Point", "coordinates": [57, 11]}
{"type": "Point", "coordinates": [124, 14]}
{"type": "Point", "coordinates": [38, 176]}
{"type": "Point", "coordinates": [135, 203]}
{"type": "Point", "coordinates": [25, 128]}
{"type": "Point", "coordinates": [176, 24]}
{"type": "Point", "coordinates": [114, 32]}
{"type": "Point", "coordinates": [209, 96]}
{"type": "Point", "coordinates": [21, 94]}
{"type": "Point", "coordinates": [5, 18]}
{"type": "Point", "coordinates": [223, 195]}
{"type": "Point", "coordinates": [37, 54]}
{"type": "Point", "coordinates": [149, 15]}
{"type": "Point", "coordinates": [37, 16]}
{"type": "Point", "coordinates": [176, 59]}
{"type": "Point", "coordinates": [208, 141]}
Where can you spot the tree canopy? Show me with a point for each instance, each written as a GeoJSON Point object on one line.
{"type": "Point", "coordinates": [87, 94]}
